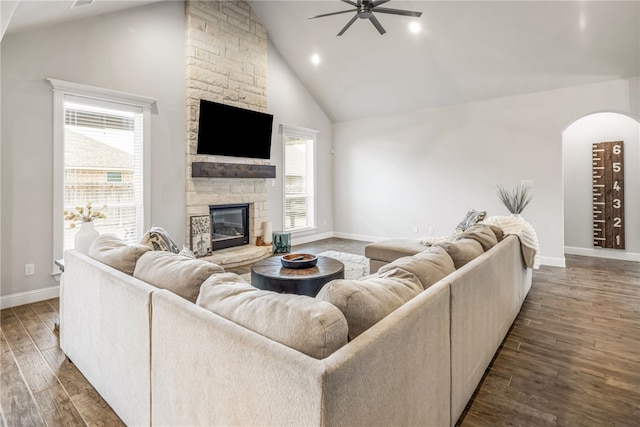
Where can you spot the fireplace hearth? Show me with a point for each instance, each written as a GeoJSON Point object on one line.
{"type": "Point", "coordinates": [229, 225]}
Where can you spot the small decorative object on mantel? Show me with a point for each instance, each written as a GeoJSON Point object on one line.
{"type": "Point", "coordinates": [84, 215]}
{"type": "Point", "coordinates": [515, 200]}
{"type": "Point", "coordinates": [201, 235]}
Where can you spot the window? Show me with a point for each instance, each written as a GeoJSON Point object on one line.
{"type": "Point", "coordinates": [99, 157]}
{"type": "Point", "coordinates": [299, 178]}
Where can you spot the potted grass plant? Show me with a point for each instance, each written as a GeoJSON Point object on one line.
{"type": "Point", "coordinates": [515, 200]}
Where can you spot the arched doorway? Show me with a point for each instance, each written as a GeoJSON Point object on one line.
{"type": "Point", "coordinates": [577, 140]}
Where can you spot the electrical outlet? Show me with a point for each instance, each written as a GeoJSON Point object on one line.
{"type": "Point", "coordinates": [29, 269]}
{"type": "Point", "coordinates": [325, 222]}
{"type": "Point", "coordinates": [415, 228]}
{"type": "Point", "coordinates": [431, 231]}
{"type": "Point", "coordinates": [527, 183]}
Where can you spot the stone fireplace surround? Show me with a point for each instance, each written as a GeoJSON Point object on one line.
{"type": "Point", "coordinates": [226, 62]}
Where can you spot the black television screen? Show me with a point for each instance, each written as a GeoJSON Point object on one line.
{"type": "Point", "coordinates": [225, 130]}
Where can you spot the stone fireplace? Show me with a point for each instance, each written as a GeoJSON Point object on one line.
{"type": "Point", "coordinates": [226, 62]}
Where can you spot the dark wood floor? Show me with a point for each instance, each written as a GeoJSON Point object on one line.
{"type": "Point", "coordinates": [571, 358]}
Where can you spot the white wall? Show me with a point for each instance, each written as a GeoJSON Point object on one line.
{"type": "Point", "coordinates": [139, 51]}
{"type": "Point", "coordinates": [291, 104]}
{"type": "Point", "coordinates": [426, 168]}
{"type": "Point", "coordinates": [577, 140]}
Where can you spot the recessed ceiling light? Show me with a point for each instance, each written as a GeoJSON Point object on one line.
{"type": "Point", "coordinates": [79, 3]}
{"type": "Point", "coordinates": [415, 27]}
{"type": "Point", "coordinates": [315, 59]}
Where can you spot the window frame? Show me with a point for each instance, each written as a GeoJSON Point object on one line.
{"type": "Point", "coordinates": [62, 89]}
{"type": "Point", "coordinates": [309, 134]}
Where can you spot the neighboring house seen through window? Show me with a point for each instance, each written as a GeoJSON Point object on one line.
{"type": "Point", "coordinates": [99, 157]}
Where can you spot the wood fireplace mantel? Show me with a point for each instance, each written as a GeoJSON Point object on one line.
{"type": "Point", "coordinates": [231, 170]}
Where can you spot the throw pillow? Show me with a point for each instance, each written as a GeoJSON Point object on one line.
{"type": "Point", "coordinates": [462, 251]}
{"type": "Point", "coordinates": [366, 301]}
{"type": "Point", "coordinates": [428, 266]}
{"type": "Point", "coordinates": [109, 249]}
{"type": "Point", "coordinates": [315, 328]}
{"type": "Point", "coordinates": [482, 234]}
{"type": "Point", "coordinates": [176, 273]}
{"type": "Point", "coordinates": [187, 252]}
{"type": "Point", "coordinates": [158, 239]}
{"type": "Point", "coordinates": [472, 217]}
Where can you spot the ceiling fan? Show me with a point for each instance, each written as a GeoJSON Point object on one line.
{"type": "Point", "coordinates": [364, 10]}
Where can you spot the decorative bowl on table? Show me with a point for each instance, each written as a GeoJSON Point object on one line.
{"type": "Point", "coordinates": [299, 260]}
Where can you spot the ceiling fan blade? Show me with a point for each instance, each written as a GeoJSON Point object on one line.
{"type": "Point", "coordinates": [352, 3]}
{"type": "Point", "coordinates": [329, 14]}
{"type": "Point", "coordinates": [397, 12]}
{"type": "Point", "coordinates": [377, 3]}
{"type": "Point", "coordinates": [346, 27]}
{"type": "Point", "coordinates": [376, 24]}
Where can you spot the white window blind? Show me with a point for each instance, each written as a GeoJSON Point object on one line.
{"type": "Point", "coordinates": [299, 178]}
{"type": "Point", "coordinates": [103, 144]}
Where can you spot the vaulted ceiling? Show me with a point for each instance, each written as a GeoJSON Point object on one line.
{"type": "Point", "coordinates": [465, 51]}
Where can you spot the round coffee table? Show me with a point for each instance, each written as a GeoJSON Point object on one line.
{"type": "Point", "coordinates": [269, 274]}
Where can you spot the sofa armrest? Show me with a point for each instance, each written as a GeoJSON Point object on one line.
{"type": "Point", "coordinates": [386, 251]}
{"type": "Point", "coordinates": [398, 371]}
{"type": "Point", "coordinates": [104, 330]}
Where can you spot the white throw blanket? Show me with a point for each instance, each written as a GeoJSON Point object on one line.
{"type": "Point", "coordinates": [525, 232]}
{"type": "Point", "coordinates": [509, 225]}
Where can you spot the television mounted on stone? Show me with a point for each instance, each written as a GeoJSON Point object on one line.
{"type": "Point", "coordinates": [225, 130]}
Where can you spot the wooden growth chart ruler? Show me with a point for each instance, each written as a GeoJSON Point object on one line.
{"type": "Point", "coordinates": [608, 194]}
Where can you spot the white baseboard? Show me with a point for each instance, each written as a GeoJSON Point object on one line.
{"type": "Point", "coordinates": [552, 262]}
{"type": "Point", "coordinates": [300, 240]}
{"type": "Point", "coordinates": [22, 298]}
{"type": "Point", "coordinates": [603, 253]}
{"type": "Point", "coordinates": [361, 237]}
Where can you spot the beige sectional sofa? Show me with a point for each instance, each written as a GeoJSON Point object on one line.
{"type": "Point", "coordinates": [405, 346]}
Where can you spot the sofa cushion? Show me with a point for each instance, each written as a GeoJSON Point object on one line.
{"type": "Point", "coordinates": [482, 234]}
{"type": "Point", "coordinates": [315, 328]}
{"type": "Point", "coordinates": [428, 266]}
{"type": "Point", "coordinates": [366, 301]}
{"type": "Point", "coordinates": [462, 251]}
{"type": "Point", "coordinates": [498, 232]}
{"type": "Point", "coordinates": [109, 249]}
{"type": "Point", "coordinates": [177, 273]}
{"type": "Point", "coordinates": [158, 239]}
{"type": "Point", "coordinates": [390, 250]}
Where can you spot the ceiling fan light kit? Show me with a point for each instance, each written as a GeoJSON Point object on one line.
{"type": "Point", "coordinates": [365, 9]}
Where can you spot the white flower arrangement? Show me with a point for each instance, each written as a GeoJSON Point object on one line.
{"type": "Point", "coordinates": [84, 214]}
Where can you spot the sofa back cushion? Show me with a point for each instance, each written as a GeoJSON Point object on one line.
{"type": "Point", "coordinates": [462, 251]}
{"type": "Point", "coordinates": [366, 301]}
{"type": "Point", "coordinates": [177, 273]}
{"type": "Point", "coordinates": [482, 234]}
{"type": "Point", "coordinates": [428, 266]}
{"type": "Point", "coordinates": [498, 232]}
{"type": "Point", "coordinates": [109, 249]}
{"type": "Point", "coordinates": [315, 328]}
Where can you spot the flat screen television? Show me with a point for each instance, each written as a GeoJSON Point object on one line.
{"type": "Point", "coordinates": [225, 130]}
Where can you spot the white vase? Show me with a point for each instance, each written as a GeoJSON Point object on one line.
{"type": "Point", "coordinates": [267, 232]}
{"type": "Point", "coordinates": [84, 237]}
